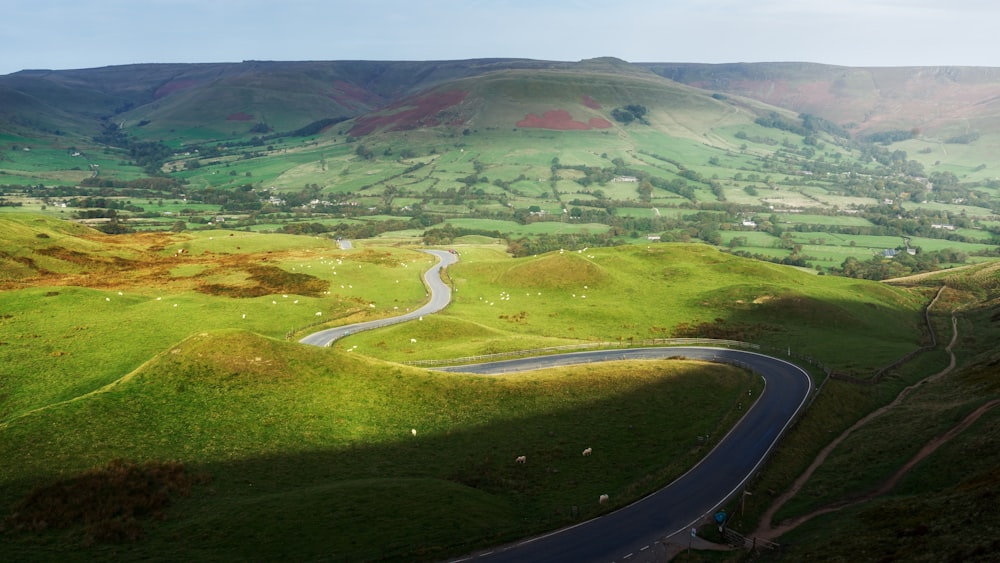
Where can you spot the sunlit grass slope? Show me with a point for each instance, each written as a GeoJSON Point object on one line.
{"type": "Point", "coordinates": [630, 294]}
{"type": "Point", "coordinates": [82, 309]}
{"type": "Point", "coordinates": [311, 452]}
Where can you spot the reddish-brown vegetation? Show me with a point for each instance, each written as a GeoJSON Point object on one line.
{"type": "Point", "coordinates": [561, 120]}
{"type": "Point", "coordinates": [108, 502]}
{"type": "Point", "coordinates": [171, 87]}
{"type": "Point", "coordinates": [354, 97]}
{"type": "Point", "coordinates": [239, 116]}
{"type": "Point", "coordinates": [411, 113]}
{"type": "Point", "coordinates": [269, 280]}
{"type": "Point", "coordinates": [146, 266]}
{"type": "Point", "coordinates": [591, 102]}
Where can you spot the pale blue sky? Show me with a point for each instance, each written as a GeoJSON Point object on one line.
{"type": "Point", "coordinates": [64, 34]}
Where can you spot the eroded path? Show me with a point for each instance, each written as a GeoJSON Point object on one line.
{"type": "Point", "coordinates": [766, 530]}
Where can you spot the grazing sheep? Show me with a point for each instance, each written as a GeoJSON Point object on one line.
{"type": "Point", "coordinates": [413, 431]}
{"type": "Point", "coordinates": [603, 499]}
{"type": "Point", "coordinates": [413, 341]}
{"type": "Point", "coordinates": [588, 451]}
{"type": "Point", "coordinates": [521, 459]}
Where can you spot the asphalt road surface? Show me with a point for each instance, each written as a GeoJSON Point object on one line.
{"type": "Point", "coordinates": [677, 507]}
{"type": "Point", "coordinates": [440, 296]}
{"type": "Point", "coordinates": [692, 497]}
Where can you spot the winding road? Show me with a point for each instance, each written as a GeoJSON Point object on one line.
{"type": "Point", "coordinates": [683, 503]}
{"type": "Point", "coordinates": [440, 294]}
{"type": "Point", "coordinates": [693, 496]}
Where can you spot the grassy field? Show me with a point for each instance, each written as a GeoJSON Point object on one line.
{"type": "Point", "coordinates": [179, 349]}
{"type": "Point", "coordinates": [204, 371]}
{"type": "Point", "coordinates": [317, 446]}
{"type": "Point", "coordinates": [641, 292]}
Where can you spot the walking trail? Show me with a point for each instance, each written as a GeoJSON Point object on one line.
{"type": "Point", "coordinates": [764, 528]}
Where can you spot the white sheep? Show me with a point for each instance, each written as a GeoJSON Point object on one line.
{"type": "Point", "coordinates": [413, 341]}
{"type": "Point", "coordinates": [413, 431]}
{"type": "Point", "coordinates": [521, 459]}
{"type": "Point", "coordinates": [588, 451]}
{"type": "Point", "coordinates": [603, 499]}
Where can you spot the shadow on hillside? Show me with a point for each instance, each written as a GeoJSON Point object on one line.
{"type": "Point", "coordinates": [444, 491]}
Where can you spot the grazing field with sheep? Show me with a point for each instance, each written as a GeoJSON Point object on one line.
{"type": "Point", "coordinates": [628, 295]}
{"type": "Point", "coordinates": [171, 360]}
{"type": "Point", "coordinates": [295, 441]}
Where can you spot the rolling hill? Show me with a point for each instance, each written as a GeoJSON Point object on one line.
{"type": "Point", "coordinates": [230, 98]}
{"type": "Point", "coordinates": [562, 184]}
{"type": "Point", "coordinates": [937, 101]}
{"type": "Point", "coordinates": [238, 437]}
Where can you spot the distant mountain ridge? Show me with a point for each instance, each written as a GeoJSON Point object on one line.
{"type": "Point", "coordinates": [867, 99]}
{"type": "Point", "coordinates": [234, 98]}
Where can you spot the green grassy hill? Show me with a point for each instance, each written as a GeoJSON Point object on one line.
{"type": "Point", "coordinates": [269, 433]}
{"type": "Point", "coordinates": [175, 346]}
{"type": "Point", "coordinates": [637, 293]}
{"type": "Point", "coordinates": [937, 511]}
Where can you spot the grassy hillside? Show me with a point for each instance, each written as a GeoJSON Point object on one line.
{"type": "Point", "coordinates": [310, 452]}
{"type": "Point", "coordinates": [517, 141]}
{"type": "Point", "coordinates": [175, 347]}
{"type": "Point", "coordinates": [84, 309]}
{"type": "Point", "coordinates": [936, 511]}
{"type": "Point", "coordinates": [660, 291]}
{"type": "Point", "coordinates": [271, 433]}
{"type": "Point", "coordinates": [871, 99]}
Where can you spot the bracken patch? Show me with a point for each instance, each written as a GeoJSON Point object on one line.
{"type": "Point", "coordinates": [109, 503]}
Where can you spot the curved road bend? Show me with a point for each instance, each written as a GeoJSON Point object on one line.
{"type": "Point", "coordinates": [694, 495]}
{"type": "Point", "coordinates": [673, 509]}
{"type": "Point", "coordinates": [440, 297]}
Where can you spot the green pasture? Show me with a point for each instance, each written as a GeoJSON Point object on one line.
{"type": "Point", "coordinates": [826, 196]}
{"type": "Point", "coordinates": [756, 239]}
{"type": "Point", "coordinates": [953, 208]}
{"type": "Point", "coordinates": [139, 313]}
{"type": "Point", "coordinates": [831, 220]}
{"type": "Point", "coordinates": [296, 438]}
{"type": "Point", "coordinates": [516, 230]}
{"type": "Point", "coordinates": [640, 292]}
{"type": "Point", "coordinates": [973, 161]}
{"type": "Point", "coordinates": [220, 384]}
